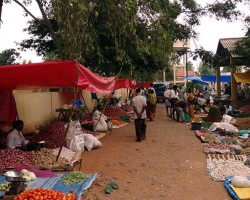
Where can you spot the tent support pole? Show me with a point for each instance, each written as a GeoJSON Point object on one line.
{"type": "Point", "coordinates": [107, 101]}
{"type": "Point", "coordinates": [71, 112]}
{"type": "Point", "coordinates": [84, 101]}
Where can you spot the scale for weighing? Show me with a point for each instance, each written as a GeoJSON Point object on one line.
{"type": "Point", "coordinates": [17, 184]}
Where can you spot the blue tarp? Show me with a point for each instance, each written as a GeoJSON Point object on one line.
{"type": "Point", "coordinates": [212, 78]}
{"type": "Point", "coordinates": [196, 80]}
{"type": "Point", "coordinates": [54, 183]}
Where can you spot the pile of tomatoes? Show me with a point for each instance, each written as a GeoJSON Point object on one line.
{"type": "Point", "coordinates": [45, 194]}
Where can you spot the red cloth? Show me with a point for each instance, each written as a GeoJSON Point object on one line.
{"type": "Point", "coordinates": [144, 85]}
{"type": "Point", "coordinates": [57, 74]}
{"type": "Point", "coordinates": [123, 83]}
{"type": "Point", "coordinates": [7, 107]}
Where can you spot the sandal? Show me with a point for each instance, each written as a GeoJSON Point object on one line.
{"type": "Point", "coordinates": [114, 185]}
{"type": "Point", "coordinates": [108, 189]}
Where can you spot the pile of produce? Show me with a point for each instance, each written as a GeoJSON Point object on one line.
{"type": "Point", "coordinates": [45, 159]}
{"type": "Point", "coordinates": [117, 123]}
{"type": "Point", "coordinates": [208, 137]}
{"type": "Point", "coordinates": [246, 151]}
{"type": "Point", "coordinates": [245, 109]}
{"type": "Point", "coordinates": [53, 135]}
{"type": "Point", "coordinates": [127, 108]}
{"type": "Point", "coordinates": [40, 193]}
{"type": "Point", "coordinates": [65, 153]}
{"type": "Point", "coordinates": [27, 175]}
{"type": "Point", "coordinates": [14, 157]}
{"type": "Point", "coordinates": [217, 147]}
{"type": "Point", "coordinates": [74, 178]}
{"type": "Point", "coordinates": [114, 113]}
{"type": "Point", "coordinates": [125, 118]}
{"type": "Point", "coordinates": [219, 170]}
{"type": "Point", "coordinates": [5, 187]}
{"type": "Point", "coordinates": [226, 157]}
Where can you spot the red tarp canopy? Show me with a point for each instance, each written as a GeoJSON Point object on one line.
{"type": "Point", "coordinates": [124, 83]}
{"type": "Point", "coordinates": [58, 74]}
{"type": "Point", "coordinates": [143, 85]}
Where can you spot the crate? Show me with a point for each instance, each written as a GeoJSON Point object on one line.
{"type": "Point", "coordinates": [196, 126]}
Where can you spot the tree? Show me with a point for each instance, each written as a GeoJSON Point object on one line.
{"type": "Point", "coordinates": [9, 57]}
{"type": "Point", "coordinates": [107, 35]}
{"type": "Point", "coordinates": [204, 69]}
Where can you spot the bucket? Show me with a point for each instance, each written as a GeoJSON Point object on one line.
{"type": "Point", "coordinates": [195, 126]}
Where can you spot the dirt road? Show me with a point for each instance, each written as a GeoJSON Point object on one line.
{"type": "Point", "coordinates": [169, 164]}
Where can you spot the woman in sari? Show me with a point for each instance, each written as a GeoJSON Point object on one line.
{"type": "Point", "coordinates": [190, 98]}
{"type": "Point", "coordinates": [152, 104]}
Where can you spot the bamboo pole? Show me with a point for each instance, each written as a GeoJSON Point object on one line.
{"type": "Point", "coordinates": [71, 111]}
{"type": "Point", "coordinates": [106, 102]}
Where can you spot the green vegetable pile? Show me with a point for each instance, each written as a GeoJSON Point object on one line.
{"type": "Point", "coordinates": [125, 118]}
{"type": "Point", "coordinates": [74, 178]}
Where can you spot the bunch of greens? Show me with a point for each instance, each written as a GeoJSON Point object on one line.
{"type": "Point", "coordinates": [125, 118]}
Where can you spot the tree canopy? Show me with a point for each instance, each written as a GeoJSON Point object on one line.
{"type": "Point", "coordinates": [106, 35]}
{"type": "Point", "coordinates": [9, 57]}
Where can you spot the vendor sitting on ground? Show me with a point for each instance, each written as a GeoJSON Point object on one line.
{"type": "Point", "coordinates": [100, 120]}
{"type": "Point", "coordinates": [228, 109]}
{"type": "Point", "coordinates": [16, 140]}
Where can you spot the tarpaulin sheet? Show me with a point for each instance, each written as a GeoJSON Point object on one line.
{"type": "Point", "coordinates": [142, 85]}
{"type": "Point", "coordinates": [242, 77]}
{"type": "Point", "coordinates": [7, 107]}
{"type": "Point", "coordinates": [123, 83]}
{"type": "Point", "coordinates": [196, 80]}
{"type": "Point", "coordinates": [212, 78]}
{"type": "Point", "coordinates": [57, 74]}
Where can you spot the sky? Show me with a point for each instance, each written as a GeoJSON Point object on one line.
{"type": "Point", "coordinates": [210, 30]}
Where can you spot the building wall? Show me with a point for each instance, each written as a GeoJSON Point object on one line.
{"type": "Point", "coordinates": [37, 109]}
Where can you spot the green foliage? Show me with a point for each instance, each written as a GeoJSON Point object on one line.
{"type": "Point", "coordinates": [9, 57]}
{"type": "Point", "coordinates": [214, 112]}
{"type": "Point", "coordinates": [125, 118]}
{"type": "Point", "coordinates": [109, 35]}
{"type": "Point", "coordinates": [204, 69]}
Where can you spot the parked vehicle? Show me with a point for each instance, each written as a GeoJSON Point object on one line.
{"type": "Point", "coordinates": [159, 90]}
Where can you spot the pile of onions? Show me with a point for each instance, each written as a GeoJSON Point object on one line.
{"type": "Point", "coordinates": [114, 113]}
{"type": "Point", "coordinates": [53, 135]}
{"type": "Point", "coordinates": [14, 157]}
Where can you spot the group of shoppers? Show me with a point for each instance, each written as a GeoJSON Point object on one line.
{"type": "Point", "coordinates": [178, 101]}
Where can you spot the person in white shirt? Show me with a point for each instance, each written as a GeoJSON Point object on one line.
{"type": "Point", "coordinates": [167, 94]}
{"type": "Point", "coordinates": [173, 98]}
{"type": "Point", "coordinates": [15, 138]}
{"type": "Point", "coordinates": [139, 104]}
{"type": "Point", "coordinates": [228, 109]}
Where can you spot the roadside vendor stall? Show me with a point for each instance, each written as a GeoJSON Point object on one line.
{"type": "Point", "coordinates": [55, 157]}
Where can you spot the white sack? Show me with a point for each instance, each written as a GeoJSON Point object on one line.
{"type": "Point", "coordinates": [74, 138]}
{"type": "Point", "coordinates": [91, 142]}
{"type": "Point", "coordinates": [228, 127]}
{"type": "Point", "coordinates": [226, 118]}
{"type": "Point", "coordinates": [240, 182]}
{"type": "Point", "coordinates": [102, 126]}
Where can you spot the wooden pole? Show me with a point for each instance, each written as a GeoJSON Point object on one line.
{"type": "Point", "coordinates": [107, 101]}
{"type": "Point", "coordinates": [233, 83]}
{"type": "Point", "coordinates": [218, 81]}
{"type": "Point", "coordinates": [71, 112]}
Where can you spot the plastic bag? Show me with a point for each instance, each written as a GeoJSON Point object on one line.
{"type": "Point", "coordinates": [74, 138]}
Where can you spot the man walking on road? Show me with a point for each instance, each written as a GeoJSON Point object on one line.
{"type": "Point", "coordinates": [139, 104]}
